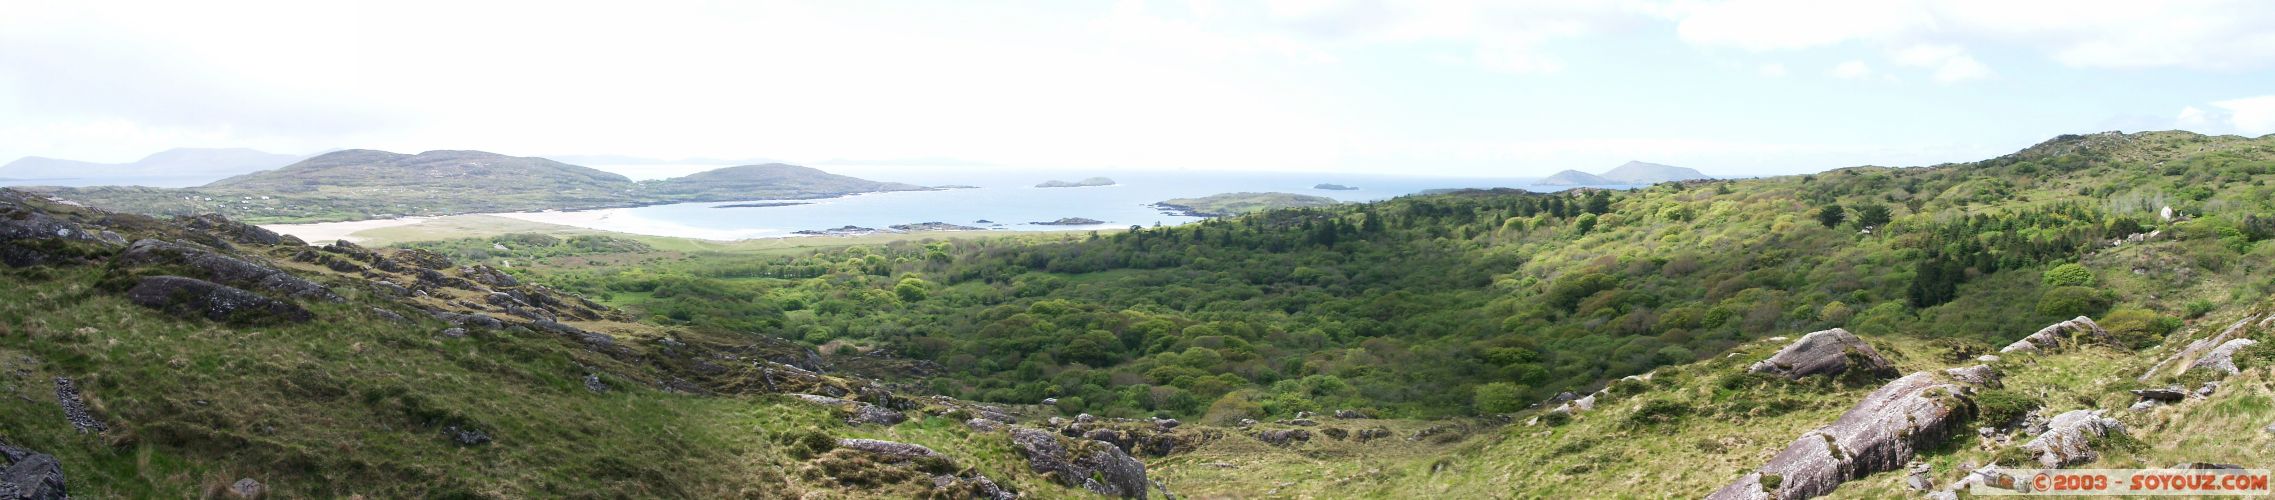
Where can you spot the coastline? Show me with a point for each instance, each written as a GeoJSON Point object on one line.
{"type": "Point", "coordinates": [319, 233]}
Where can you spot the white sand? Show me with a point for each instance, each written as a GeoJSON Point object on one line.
{"type": "Point", "coordinates": [327, 232]}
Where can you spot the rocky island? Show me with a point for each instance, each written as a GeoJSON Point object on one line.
{"type": "Point", "coordinates": [1090, 182]}
{"type": "Point", "coordinates": [1070, 221]}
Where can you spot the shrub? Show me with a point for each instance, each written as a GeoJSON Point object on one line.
{"type": "Point", "coordinates": [2136, 328]}
{"type": "Point", "coordinates": [2199, 307]}
{"type": "Point", "coordinates": [1999, 407]}
{"type": "Point", "coordinates": [2068, 275]}
{"type": "Point", "coordinates": [1499, 397]}
{"type": "Point", "coordinates": [2070, 301]}
{"type": "Point", "coordinates": [1555, 418]}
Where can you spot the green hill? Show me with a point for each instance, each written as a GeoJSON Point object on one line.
{"type": "Point", "coordinates": [432, 170]}
{"type": "Point", "coordinates": [769, 181]}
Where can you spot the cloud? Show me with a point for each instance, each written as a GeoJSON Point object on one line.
{"type": "Point", "coordinates": [2250, 115]}
{"type": "Point", "coordinates": [1772, 70]}
{"type": "Point", "coordinates": [1851, 70]}
{"type": "Point", "coordinates": [2191, 118]}
{"type": "Point", "coordinates": [1950, 63]}
{"type": "Point", "coordinates": [2195, 34]}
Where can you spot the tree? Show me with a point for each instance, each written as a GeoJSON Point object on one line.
{"type": "Point", "coordinates": [2068, 301]}
{"type": "Point", "coordinates": [1831, 215]}
{"type": "Point", "coordinates": [1599, 202]}
{"type": "Point", "coordinates": [1872, 215]}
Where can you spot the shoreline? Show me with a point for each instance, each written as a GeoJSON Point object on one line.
{"type": "Point", "coordinates": [318, 233]}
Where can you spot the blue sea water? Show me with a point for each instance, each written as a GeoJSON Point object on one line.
{"type": "Point", "coordinates": [1005, 200]}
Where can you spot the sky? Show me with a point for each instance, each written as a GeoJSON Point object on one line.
{"type": "Point", "coordinates": [1440, 87]}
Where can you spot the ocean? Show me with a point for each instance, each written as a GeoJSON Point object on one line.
{"type": "Point", "coordinates": [1001, 200]}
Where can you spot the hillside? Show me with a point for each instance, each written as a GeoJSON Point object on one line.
{"type": "Point", "coordinates": [1575, 178]}
{"type": "Point", "coordinates": [1229, 204]}
{"type": "Point", "coordinates": [1640, 173]}
{"type": "Point", "coordinates": [769, 181]}
{"type": "Point", "coordinates": [170, 164]}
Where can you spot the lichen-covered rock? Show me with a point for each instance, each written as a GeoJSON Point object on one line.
{"type": "Point", "coordinates": [2197, 348]}
{"type": "Point", "coordinates": [2167, 395]}
{"type": "Point", "coordinates": [1352, 415]}
{"type": "Point", "coordinates": [1284, 437]}
{"type": "Point", "coordinates": [983, 425]}
{"type": "Point", "coordinates": [219, 268]}
{"type": "Point", "coordinates": [1095, 466]}
{"type": "Point", "coordinates": [248, 488]}
{"type": "Point", "coordinates": [856, 412]}
{"type": "Point", "coordinates": [892, 450]}
{"type": "Point", "coordinates": [1828, 352]}
{"type": "Point", "coordinates": [1882, 432]}
{"type": "Point", "coordinates": [2068, 439]}
{"type": "Point", "coordinates": [194, 297]}
{"type": "Point", "coordinates": [236, 231]}
{"type": "Point", "coordinates": [488, 276]}
{"type": "Point", "coordinates": [30, 238]}
{"type": "Point", "coordinates": [2222, 359]}
{"type": "Point", "coordinates": [31, 475]}
{"type": "Point", "coordinates": [421, 258]}
{"type": "Point", "coordinates": [2077, 330]}
{"type": "Point", "coordinates": [1981, 375]}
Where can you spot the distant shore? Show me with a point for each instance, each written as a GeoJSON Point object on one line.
{"type": "Point", "coordinates": [326, 232]}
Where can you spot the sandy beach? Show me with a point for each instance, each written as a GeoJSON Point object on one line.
{"type": "Point", "coordinates": [327, 232]}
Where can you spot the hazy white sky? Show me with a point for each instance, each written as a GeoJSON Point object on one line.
{"type": "Point", "coordinates": [1442, 86]}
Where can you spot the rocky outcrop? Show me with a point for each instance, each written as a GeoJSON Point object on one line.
{"type": "Point", "coordinates": [2079, 330]}
{"type": "Point", "coordinates": [1828, 352]}
{"type": "Point", "coordinates": [892, 450]}
{"type": "Point", "coordinates": [193, 297]}
{"type": "Point", "coordinates": [1091, 465]}
{"type": "Point", "coordinates": [220, 268]}
{"type": "Point", "coordinates": [31, 475]}
{"type": "Point", "coordinates": [31, 238]}
{"type": "Point", "coordinates": [2198, 348]}
{"type": "Point", "coordinates": [237, 231]}
{"type": "Point", "coordinates": [1880, 433]}
{"type": "Point", "coordinates": [2069, 438]}
{"type": "Point", "coordinates": [2222, 359]}
{"type": "Point", "coordinates": [1284, 437]}
{"type": "Point", "coordinates": [856, 412]}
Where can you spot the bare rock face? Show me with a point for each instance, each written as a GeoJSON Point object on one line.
{"type": "Point", "coordinates": [192, 297]}
{"type": "Point", "coordinates": [1828, 352]}
{"type": "Point", "coordinates": [1881, 433]}
{"type": "Point", "coordinates": [30, 475]}
{"type": "Point", "coordinates": [2068, 439]}
{"type": "Point", "coordinates": [1095, 466]}
{"type": "Point", "coordinates": [2222, 359]}
{"type": "Point", "coordinates": [2077, 330]}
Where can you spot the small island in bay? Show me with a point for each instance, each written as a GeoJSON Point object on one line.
{"type": "Point", "coordinates": [932, 226]}
{"type": "Point", "coordinates": [1229, 204]}
{"type": "Point", "coordinates": [1334, 187]}
{"type": "Point", "coordinates": [1090, 182]}
{"type": "Point", "coordinates": [1070, 221]}
{"type": "Point", "coordinates": [764, 204]}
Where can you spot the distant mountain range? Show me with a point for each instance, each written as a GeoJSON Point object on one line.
{"type": "Point", "coordinates": [1633, 172]}
{"type": "Point", "coordinates": [364, 184]}
{"type": "Point", "coordinates": [637, 160]}
{"type": "Point", "coordinates": [172, 163]}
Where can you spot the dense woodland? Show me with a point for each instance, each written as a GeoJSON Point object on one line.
{"type": "Point", "coordinates": [1486, 301]}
